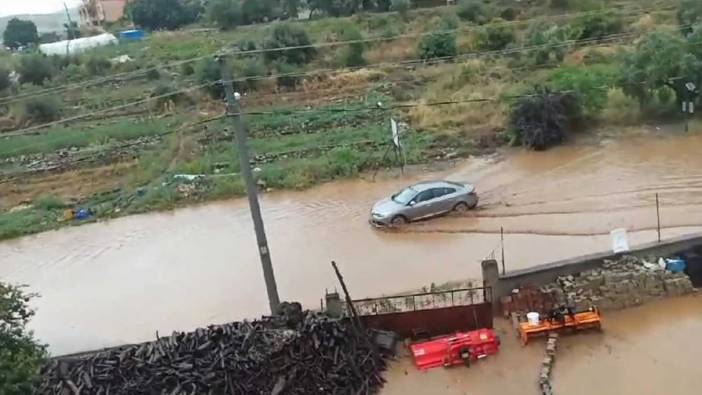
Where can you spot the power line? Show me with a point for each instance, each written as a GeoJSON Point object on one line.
{"type": "Point", "coordinates": [31, 129]}
{"type": "Point", "coordinates": [134, 74]}
{"type": "Point", "coordinates": [600, 41]}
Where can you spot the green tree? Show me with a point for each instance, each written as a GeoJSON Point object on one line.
{"type": "Point", "coordinates": [34, 69]}
{"type": "Point", "coordinates": [257, 10]}
{"type": "Point", "coordinates": [496, 35]}
{"type": "Point", "coordinates": [226, 13]}
{"type": "Point", "coordinates": [401, 6]}
{"type": "Point", "coordinates": [163, 14]}
{"type": "Point", "coordinates": [21, 356]}
{"type": "Point", "coordinates": [350, 55]}
{"type": "Point", "coordinates": [546, 42]}
{"type": "Point", "coordinates": [589, 84]}
{"type": "Point", "coordinates": [542, 119]}
{"type": "Point", "coordinates": [335, 7]}
{"type": "Point", "coordinates": [656, 63]}
{"type": "Point", "coordinates": [292, 8]}
{"type": "Point", "coordinates": [284, 35]}
{"type": "Point", "coordinates": [474, 11]}
{"type": "Point", "coordinates": [689, 13]}
{"type": "Point", "coordinates": [597, 25]}
{"type": "Point", "coordinates": [20, 33]}
{"type": "Point", "coordinates": [208, 72]}
{"type": "Point", "coordinates": [5, 81]}
{"type": "Point", "coordinates": [439, 41]}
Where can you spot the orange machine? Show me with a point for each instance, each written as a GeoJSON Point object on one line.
{"type": "Point", "coordinates": [587, 319]}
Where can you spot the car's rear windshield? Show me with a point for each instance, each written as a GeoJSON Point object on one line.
{"type": "Point", "coordinates": [404, 196]}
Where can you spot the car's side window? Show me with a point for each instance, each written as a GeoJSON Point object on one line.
{"type": "Point", "coordinates": [448, 191]}
{"type": "Point", "coordinates": [424, 196]}
{"type": "Point", "coordinates": [438, 192]}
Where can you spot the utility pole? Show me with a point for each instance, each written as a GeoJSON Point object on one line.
{"type": "Point", "coordinates": [234, 113]}
{"type": "Point", "coordinates": [69, 31]}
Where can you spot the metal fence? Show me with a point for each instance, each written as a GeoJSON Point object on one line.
{"type": "Point", "coordinates": [423, 301]}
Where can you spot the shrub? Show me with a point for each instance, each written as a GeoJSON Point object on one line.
{"type": "Point", "coordinates": [495, 36]}
{"type": "Point", "coordinates": [540, 121]}
{"type": "Point", "coordinates": [288, 35]}
{"type": "Point", "coordinates": [590, 85]}
{"type": "Point", "coordinates": [287, 77]}
{"type": "Point", "coordinates": [439, 45]}
{"type": "Point", "coordinates": [21, 356]}
{"type": "Point", "coordinates": [225, 13]}
{"type": "Point", "coordinates": [401, 6]}
{"type": "Point", "coordinates": [208, 72]}
{"type": "Point", "coordinates": [598, 25]}
{"type": "Point", "coordinates": [344, 162]}
{"type": "Point", "coordinates": [689, 12]}
{"type": "Point", "coordinates": [249, 67]}
{"type": "Point", "coordinates": [34, 69]}
{"type": "Point", "coordinates": [43, 108]}
{"type": "Point", "coordinates": [350, 55]}
{"type": "Point", "coordinates": [96, 65]}
{"type": "Point", "coordinates": [547, 42]}
{"type": "Point", "coordinates": [187, 69]}
{"type": "Point", "coordinates": [474, 11]}
{"type": "Point", "coordinates": [165, 92]}
{"type": "Point", "coordinates": [48, 203]}
{"type": "Point", "coordinates": [5, 81]}
{"type": "Point", "coordinates": [153, 74]}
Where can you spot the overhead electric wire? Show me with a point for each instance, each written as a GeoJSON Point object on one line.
{"type": "Point", "coordinates": [133, 74]}
{"type": "Point", "coordinates": [600, 41]}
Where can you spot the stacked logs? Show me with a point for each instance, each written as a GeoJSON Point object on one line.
{"type": "Point", "coordinates": [316, 355]}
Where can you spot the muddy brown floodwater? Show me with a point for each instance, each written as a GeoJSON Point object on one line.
{"type": "Point", "coordinates": [651, 349]}
{"type": "Point", "coordinates": [123, 280]}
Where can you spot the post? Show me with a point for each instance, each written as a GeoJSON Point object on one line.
{"type": "Point", "coordinates": [349, 301]}
{"type": "Point", "coordinates": [234, 113]}
{"type": "Point", "coordinates": [502, 243]}
{"type": "Point", "coordinates": [658, 214]}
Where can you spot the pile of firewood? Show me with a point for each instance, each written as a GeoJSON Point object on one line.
{"type": "Point", "coordinates": [307, 354]}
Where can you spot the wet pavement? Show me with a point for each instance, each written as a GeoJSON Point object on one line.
{"type": "Point", "coordinates": [651, 349]}
{"type": "Point", "coordinates": [123, 280]}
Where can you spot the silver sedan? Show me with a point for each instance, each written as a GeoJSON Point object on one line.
{"type": "Point", "coordinates": [423, 200]}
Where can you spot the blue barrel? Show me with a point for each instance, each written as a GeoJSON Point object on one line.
{"type": "Point", "coordinates": [675, 265]}
{"type": "Point", "coordinates": [131, 35]}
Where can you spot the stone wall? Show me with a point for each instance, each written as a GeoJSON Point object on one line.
{"type": "Point", "coordinates": [621, 283]}
{"type": "Point", "coordinates": [502, 284]}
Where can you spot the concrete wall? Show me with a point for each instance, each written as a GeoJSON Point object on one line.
{"type": "Point", "coordinates": [502, 285]}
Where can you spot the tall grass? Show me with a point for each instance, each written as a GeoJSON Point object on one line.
{"type": "Point", "coordinates": [81, 136]}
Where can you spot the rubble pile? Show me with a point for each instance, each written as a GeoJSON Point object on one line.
{"type": "Point", "coordinates": [547, 365]}
{"type": "Point", "coordinates": [310, 354]}
{"type": "Point", "coordinates": [626, 282]}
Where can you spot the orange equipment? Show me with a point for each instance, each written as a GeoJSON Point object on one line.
{"type": "Point", "coordinates": [588, 319]}
{"type": "Point", "coordinates": [461, 348]}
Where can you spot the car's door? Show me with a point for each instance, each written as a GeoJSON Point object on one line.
{"type": "Point", "coordinates": [421, 205]}
{"type": "Point", "coordinates": [444, 199]}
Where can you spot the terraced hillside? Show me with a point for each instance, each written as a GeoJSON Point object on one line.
{"type": "Point", "coordinates": [146, 131]}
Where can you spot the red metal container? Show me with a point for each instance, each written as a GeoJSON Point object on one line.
{"type": "Point", "coordinates": [459, 349]}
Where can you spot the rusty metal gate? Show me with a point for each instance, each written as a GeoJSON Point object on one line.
{"type": "Point", "coordinates": [432, 313]}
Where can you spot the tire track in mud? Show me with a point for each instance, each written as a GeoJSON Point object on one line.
{"type": "Point", "coordinates": [536, 232]}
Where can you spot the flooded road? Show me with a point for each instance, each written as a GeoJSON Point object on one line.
{"type": "Point", "coordinates": [644, 350]}
{"type": "Point", "coordinates": [121, 281]}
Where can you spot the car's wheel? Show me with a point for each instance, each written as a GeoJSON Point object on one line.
{"type": "Point", "coordinates": [461, 207]}
{"type": "Point", "coordinates": [399, 220]}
